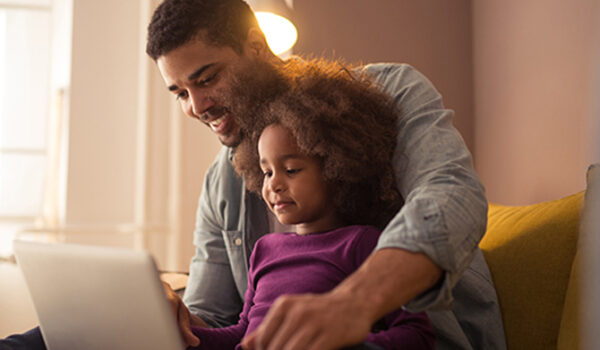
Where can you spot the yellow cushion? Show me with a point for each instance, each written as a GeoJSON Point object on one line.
{"type": "Point", "coordinates": [530, 250]}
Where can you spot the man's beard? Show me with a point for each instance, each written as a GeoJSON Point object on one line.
{"type": "Point", "coordinates": [254, 85]}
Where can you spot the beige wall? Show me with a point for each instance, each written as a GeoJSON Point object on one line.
{"type": "Point", "coordinates": [103, 113]}
{"type": "Point", "coordinates": [432, 35]}
{"type": "Point", "coordinates": [534, 67]}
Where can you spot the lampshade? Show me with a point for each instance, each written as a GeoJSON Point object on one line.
{"type": "Point", "coordinates": [280, 32]}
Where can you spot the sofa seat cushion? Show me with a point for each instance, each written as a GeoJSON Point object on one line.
{"type": "Point", "coordinates": [530, 250]}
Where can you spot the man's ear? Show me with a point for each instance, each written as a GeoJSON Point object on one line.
{"type": "Point", "coordinates": [256, 44]}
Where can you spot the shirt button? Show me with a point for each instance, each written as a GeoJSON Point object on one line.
{"type": "Point", "coordinates": [238, 242]}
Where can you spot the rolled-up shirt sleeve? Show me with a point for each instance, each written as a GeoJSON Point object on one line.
{"type": "Point", "coordinates": [444, 215]}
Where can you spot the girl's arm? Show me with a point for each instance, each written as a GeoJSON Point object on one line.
{"type": "Point", "coordinates": [228, 337]}
{"type": "Point", "coordinates": [403, 330]}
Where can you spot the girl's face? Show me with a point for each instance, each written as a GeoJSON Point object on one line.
{"type": "Point", "coordinates": [293, 185]}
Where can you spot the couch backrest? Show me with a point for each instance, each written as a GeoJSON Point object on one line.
{"type": "Point", "coordinates": [530, 250]}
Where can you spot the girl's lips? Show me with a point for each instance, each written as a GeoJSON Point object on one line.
{"type": "Point", "coordinates": [282, 205]}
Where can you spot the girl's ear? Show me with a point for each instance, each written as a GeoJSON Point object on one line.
{"type": "Point", "coordinates": [256, 44]}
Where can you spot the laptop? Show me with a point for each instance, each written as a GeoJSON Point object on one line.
{"type": "Point", "coordinates": [90, 297]}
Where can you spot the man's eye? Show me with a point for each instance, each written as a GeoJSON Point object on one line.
{"type": "Point", "coordinates": [181, 95]}
{"type": "Point", "coordinates": [207, 80]}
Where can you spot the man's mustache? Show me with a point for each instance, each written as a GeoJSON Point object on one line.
{"type": "Point", "coordinates": [251, 90]}
{"type": "Point", "coordinates": [214, 112]}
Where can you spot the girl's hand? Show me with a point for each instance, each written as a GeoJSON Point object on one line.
{"type": "Point", "coordinates": [184, 318]}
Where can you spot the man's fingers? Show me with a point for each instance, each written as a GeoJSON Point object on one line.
{"type": "Point", "coordinates": [320, 343]}
{"type": "Point", "coordinates": [248, 343]}
{"type": "Point", "coordinates": [280, 328]}
{"type": "Point", "coordinates": [288, 337]}
{"type": "Point", "coordinates": [266, 331]}
{"type": "Point", "coordinates": [310, 322]}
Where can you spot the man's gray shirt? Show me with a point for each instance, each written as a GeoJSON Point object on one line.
{"type": "Point", "coordinates": [444, 217]}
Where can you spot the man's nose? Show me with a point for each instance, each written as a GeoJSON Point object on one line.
{"type": "Point", "coordinates": [199, 103]}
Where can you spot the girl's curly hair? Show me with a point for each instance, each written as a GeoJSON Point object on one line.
{"type": "Point", "coordinates": [343, 120]}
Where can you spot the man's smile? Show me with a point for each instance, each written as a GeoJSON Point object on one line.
{"type": "Point", "coordinates": [218, 119]}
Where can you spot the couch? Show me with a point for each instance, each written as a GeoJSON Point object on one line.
{"type": "Point", "coordinates": [532, 253]}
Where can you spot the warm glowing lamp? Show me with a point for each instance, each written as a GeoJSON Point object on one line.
{"type": "Point", "coordinates": [280, 33]}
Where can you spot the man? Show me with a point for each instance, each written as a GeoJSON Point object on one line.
{"type": "Point", "coordinates": [427, 257]}
{"type": "Point", "coordinates": [200, 47]}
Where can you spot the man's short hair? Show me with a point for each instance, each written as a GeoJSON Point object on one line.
{"type": "Point", "coordinates": [218, 22]}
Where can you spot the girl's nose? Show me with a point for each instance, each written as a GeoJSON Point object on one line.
{"type": "Point", "coordinates": [276, 184]}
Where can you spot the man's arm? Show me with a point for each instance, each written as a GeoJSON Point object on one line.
{"type": "Point", "coordinates": [425, 248]}
{"type": "Point", "coordinates": [445, 211]}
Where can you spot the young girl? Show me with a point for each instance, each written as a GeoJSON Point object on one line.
{"type": "Point", "coordinates": [320, 154]}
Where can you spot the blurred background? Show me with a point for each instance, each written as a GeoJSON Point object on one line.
{"type": "Point", "coordinates": [93, 149]}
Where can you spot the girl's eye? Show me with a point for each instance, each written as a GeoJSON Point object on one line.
{"type": "Point", "coordinates": [292, 171]}
{"type": "Point", "coordinates": [267, 173]}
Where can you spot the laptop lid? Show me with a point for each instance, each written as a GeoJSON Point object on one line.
{"type": "Point", "coordinates": [89, 297]}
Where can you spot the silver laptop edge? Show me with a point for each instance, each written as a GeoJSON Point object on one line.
{"type": "Point", "coordinates": [90, 297]}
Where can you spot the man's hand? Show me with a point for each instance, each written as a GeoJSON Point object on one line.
{"type": "Point", "coordinates": [184, 318]}
{"type": "Point", "coordinates": [388, 279]}
{"type": "Point", "coordinates": [311, 321]}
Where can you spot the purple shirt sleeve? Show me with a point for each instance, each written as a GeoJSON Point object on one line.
{"type": "Point", "coordinates": [403, 330]}
{"type": "Point", "coordinates": [227, 337]}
